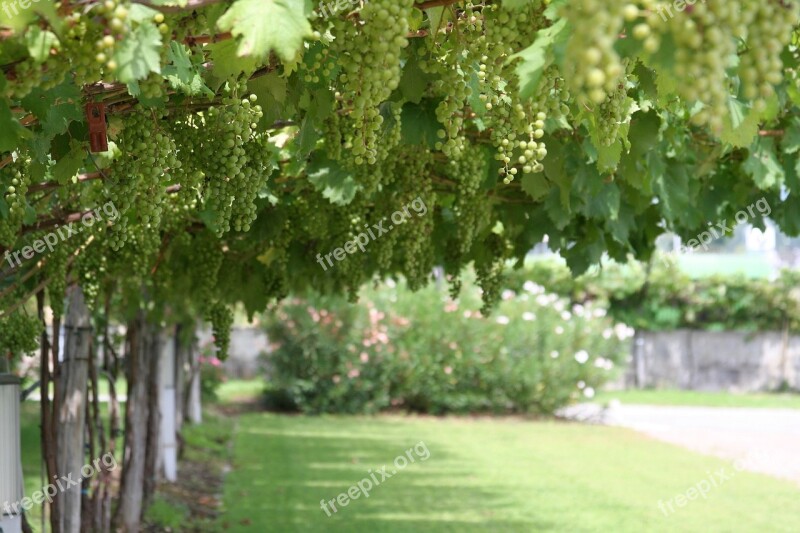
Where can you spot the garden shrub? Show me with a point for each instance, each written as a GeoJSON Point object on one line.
{"type": "Point", "coordinates": [668, 299]}
{"type": "Point", "coordinates": [425, 352]}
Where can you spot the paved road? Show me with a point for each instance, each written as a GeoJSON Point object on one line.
{"type": "Point", "coordinates": [763, 440]}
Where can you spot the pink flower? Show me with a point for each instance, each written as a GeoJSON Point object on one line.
{"type": "Point", "coordinates": [448, 370]}
{"type": "Point", "coordinates": [364, 357]}
{"type": "Point", "coordinates": [353, 373]}
{"type": "Point", "coordinates": [215, 362]}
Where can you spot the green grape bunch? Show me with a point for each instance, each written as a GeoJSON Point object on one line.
{"type": "Point", "coordinates": [592, 65]}
{"type": "Point", "coordinates": [19, 334]}
{"type": "Point", "coordinates": [368, 51]}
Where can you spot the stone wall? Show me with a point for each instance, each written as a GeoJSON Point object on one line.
{"type": "Point", "coordinates": [715, 361]}
{"type": "Point", "coordinates": [247, 344]}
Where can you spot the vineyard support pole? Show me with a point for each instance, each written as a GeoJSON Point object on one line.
{"type": "Point", "coordinates": [11, 487]}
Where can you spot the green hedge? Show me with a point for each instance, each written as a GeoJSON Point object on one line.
{"type": "Point", "coordinates": [667, 298]}
{"type": "Point", "coordinates": [424, 352]}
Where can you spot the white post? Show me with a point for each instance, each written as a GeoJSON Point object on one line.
{"type": "Point", "coordinates": [169, 440]}
{"type": "Point", "coordinates": [11, 486]}
{"type": "Point", "coordinates": [195, 409]}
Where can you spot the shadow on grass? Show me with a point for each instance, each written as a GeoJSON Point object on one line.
{"type": "Point", "coordinates": [281, 474]}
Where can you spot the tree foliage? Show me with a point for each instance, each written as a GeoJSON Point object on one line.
{"type": "Point", "coordinates": [248, 136]}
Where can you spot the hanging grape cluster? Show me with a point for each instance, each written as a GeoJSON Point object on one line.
{"type": "Point", "coordinates": [228, 130]}
{"type": "Point", "coordinates": [19, 334]}
{"type": "Point", "coordinates": [14, 181]}
{"type": "Point", "coordinates": [592, 66]}
{"type": "Point", "coordinates": [143, 171]}
{"type": "Point", "coordinates": [517, 126]}
{"type": "Point", "coordinates": [769, 27]}
{"type": "Point", "coordinates": [472, 209]}
{"type": "Point", "coordinates": [614, 113]}
{"type": "Point", "coordinates": [368, 49]}
{"type": "Point", "coordinates": [221, 318]}
{"type": "Point", "coordinates": [489, 270]}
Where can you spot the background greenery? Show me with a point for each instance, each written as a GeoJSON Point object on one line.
{"type": "Point", "coordinates": [428, 353]}
{"type": "Point", "coordinates": [662, 296]}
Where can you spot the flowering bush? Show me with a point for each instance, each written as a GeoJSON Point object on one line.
{"type": "Point", "coordinates": [212, 375]}
{"type": "Point", "coordinates": [425, 352]}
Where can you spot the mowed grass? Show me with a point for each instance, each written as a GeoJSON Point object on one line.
{"type": "Point", "coordinates": [702, 399]}
{"type": "Point", "coordinates": [484, 475]}
{"type": "Point", "coordinates": [241, 391]}
{"type": "Point", "coordinates": [30, 440]}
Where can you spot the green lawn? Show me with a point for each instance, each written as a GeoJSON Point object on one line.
{"type": "Point", "coordinates": [704, 399]}
{"type": "Point", "coordinates": [484, 475]}
{"type": "Point", "coordinates": [240, 390]}
{"type": "Point", "coordinates": [31, 457]}
{"type": "Point", "coordinates": [700, 265]}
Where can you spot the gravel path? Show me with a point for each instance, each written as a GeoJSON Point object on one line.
{"type": "Point", "coordinates": [764, 440]}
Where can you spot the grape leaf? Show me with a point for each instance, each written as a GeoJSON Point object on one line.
{"type": "Point", "coordinates": [13, 15]}
{"type": "Point", "coordinates": [266, 26]}
{"type": "Point", "coordinates": [790, 143]}
{"type": "Point", "coordinates": [10, 130]}
{"type": "Point", "coordinates": [740, 125]}
{"type": "Point", "coordinates": [139, 53]}
{"type": "Point", "coordinates": [537, 57]}
{"type": "Point", "coordinates": [182, 73]}
{"type": "Point", "coordinates": [413, 83]}
{"type": "Point", "coordinates": [536, 185]}
{"type": "Point", "coordinates": [420, 124]}
{"type": "Point", "coordinates": [69, 165]}
{"type": "Point", "coordinates": [140, 13]}
{"type": "Point", "coordinates": [40, 42]}
{"type": "Point", "coordinates": [39, 101]}
{"type": "Point", "coordinates": [763, 165]}
{"type": "Point", "coordinates": [335, 183]}
{"type": "Point", "coordinates": [227, 64]}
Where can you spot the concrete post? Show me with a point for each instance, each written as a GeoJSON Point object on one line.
{"type": "Point", "coordinates": [11, 492]}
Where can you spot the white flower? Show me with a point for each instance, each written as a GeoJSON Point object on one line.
{"type": "Point", "coordinates": [582, 356]}
{"type": "Point", "coordinates": [543, 300]}
{"type": "Point", "coordinates": [588, 392]}
{"type": "Point", "coordinates": [508, 294]}
{"type": "Point", "coordinates": [559, 330]}
{"type": "Point", "coordinates": [503, 320]}
{"type": "Point", "coordinates": [390, 283]}
{"type": "Point", "coordinates": [607, 333]}
{"type": "Point", "coordinates": [532, 287]}
{"type": "Point", "coordinates": [528, 316]}
{"type": "Point", "coordinates": [599, 312]}
{"type": "Point", "coordinates": [559, 306]}
{"type": "Point", "coordinates": [578, 309]}
{"type": "Point", "coordinates": [554, 354]}
{"type": "Point", "coordinates": [566, 315]}
{"type": "Point", "coordinates": [581, 384]}
{"type": "Point", "coordinates": [605, 364]}
{"type": "Point", "coordinates": [623, 331]}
